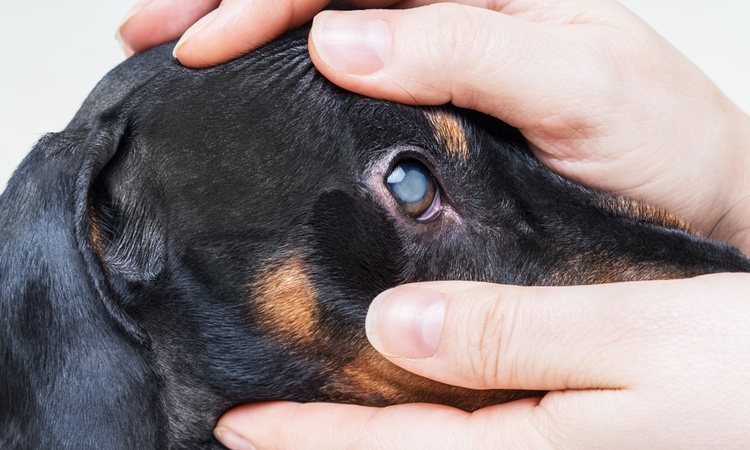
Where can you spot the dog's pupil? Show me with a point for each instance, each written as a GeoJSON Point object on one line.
{"type": "Point", "coordinates": [409, 182]}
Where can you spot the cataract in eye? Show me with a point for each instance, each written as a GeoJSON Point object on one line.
{"type": "Point", "coordinates": [413, 187]}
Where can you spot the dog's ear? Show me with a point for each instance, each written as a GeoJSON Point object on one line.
{"type": "Point", "coordinates": [119, 212]}
{"type": "Point", "coordinates": [70, 354]}
{"type": "Point", "coordinates": [91, 178]}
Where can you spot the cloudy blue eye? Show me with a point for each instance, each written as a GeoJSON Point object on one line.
{"type": "Point", "coordinates": [412, 185]}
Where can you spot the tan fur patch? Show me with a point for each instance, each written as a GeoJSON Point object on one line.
{"type": "Point", "coordinates": [596, 268]}
{"type": "Point", "coordinates": [372, 380]}
{"type": "Point", "coordinates": [286, 303]}
{"type": "Point", "coordinates": [449, 133]}
{"type": "Point", "coordinates": [591, 268]}
{"type": "Point", "coordinates": [646, 213]}
{"type": "Point", "coordinates": [95, 233]}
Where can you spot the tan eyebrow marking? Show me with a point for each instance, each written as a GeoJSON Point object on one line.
{"type": "Point", "coordinates": [286, 303]}
{"type": "Point", "coordinates": [449, 132]}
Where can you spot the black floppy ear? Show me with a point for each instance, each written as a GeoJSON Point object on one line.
{"type": "Point", "coordinates": [118, 226]}
{"type": "Point", "coordinates": [75, 368]}
{"type": "Point", "coordinates": [119, 213]}
{"type": "Point", "coordinates": [55, 190]}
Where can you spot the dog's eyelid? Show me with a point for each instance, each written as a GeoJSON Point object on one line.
{"type": "Point", "coordinates": [434, 210]}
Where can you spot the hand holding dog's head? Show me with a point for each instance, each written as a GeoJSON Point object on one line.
{"type": "Point", "coordinates": [227, 229]}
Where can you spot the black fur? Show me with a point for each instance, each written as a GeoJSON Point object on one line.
{"type": "Point", "coordinates": [195, 182]}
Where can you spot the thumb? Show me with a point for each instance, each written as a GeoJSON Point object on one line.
{"type": "Point", "coordinates": [505, 66]}
{"type": "Point", "coordinates": [486, 336]}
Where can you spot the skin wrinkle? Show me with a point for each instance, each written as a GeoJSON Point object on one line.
{"type": "Point", "coordinates": [449, 132]}
{"type": "Point", "coordinates": [286, 302]}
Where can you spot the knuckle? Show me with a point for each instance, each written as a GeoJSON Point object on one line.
{"type": "Point", "coordinates": [493, 326]}
{"type": "Point", "coordinates": [459, 45]}
{"type": "Point", "coordinates": [545, 428]}
{"type": "Point", "coordinates": [453, 31]}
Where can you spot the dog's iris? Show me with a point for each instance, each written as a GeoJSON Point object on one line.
{"type": "Point", "coordinates": [412, 185]}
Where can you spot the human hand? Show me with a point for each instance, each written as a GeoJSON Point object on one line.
{"type": "Point", "coordinates": [600, 96]}
{"type": "Point", "coordinates": [634, 365]}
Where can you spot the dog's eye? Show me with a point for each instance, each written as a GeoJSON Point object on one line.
{"type": "Point", "coordinates": [413, 186]}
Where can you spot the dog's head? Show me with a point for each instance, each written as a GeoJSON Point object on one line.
{"type": "Point", "coordinates": [235, 223]}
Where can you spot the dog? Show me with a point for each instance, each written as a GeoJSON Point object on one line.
{"type": "Point", "coordinates": [195, 240]}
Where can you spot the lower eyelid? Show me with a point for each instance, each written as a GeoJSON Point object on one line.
{"type": "Point", "coordinates": [433, 210]}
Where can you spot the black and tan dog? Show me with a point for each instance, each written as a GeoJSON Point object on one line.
{"type": "Point", "coordinates": [199, 239]}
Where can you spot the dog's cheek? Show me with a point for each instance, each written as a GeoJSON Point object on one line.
{"type": "Point", "coordinates": [356, 253]}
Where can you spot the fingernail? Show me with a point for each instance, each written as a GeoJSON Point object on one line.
{"type": "Point", "coordinates": [232, 440]}
{"type": "Point", "coordinates": [125, 47]}
{"type": "Point", "coordinates": [352, 43]}
{"type": "Point", "coordinates": [131, 13]}
{"type": "Point", "coordinates": [407, 322]}
{"type": "Point", "coordinates": [195, 29]}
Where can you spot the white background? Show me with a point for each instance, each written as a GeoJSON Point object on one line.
{"type": "Point", "coordinates": [52, 52]}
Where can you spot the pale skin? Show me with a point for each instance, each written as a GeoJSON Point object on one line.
{"type": "Point", "coordinates": [602, 99]}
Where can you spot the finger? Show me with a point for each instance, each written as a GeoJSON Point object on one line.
{"type": "Point", "coordinates": [238, 26]}
{"type": "Point", "coordinates": [486, 336]}
{"type": "Point", "coordinates": [154, 22]}
{"type": "Point", "coordinates": [372, 3]}
{"type": "Point", "coordinates": [522, 72]}
{"type": "Point", "coordinates": [569, 11]}
{"type": "Point", "coordinates": [283, 425]}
